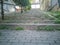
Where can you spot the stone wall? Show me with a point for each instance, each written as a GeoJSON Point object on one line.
{"type": "Point", "coordinates": [49, 4]}
{"type": "Point", "coordinates": [44, 4]}
{"type": "Point", "coordinates": [8, 6]}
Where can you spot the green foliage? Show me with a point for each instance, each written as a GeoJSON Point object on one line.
{"type": "Point", "coordinates": [56, 14]}
{"type": "Point", "coordinates": [27, 8]}
{"type": "Point", "coordinates": [17, 2]}
{"type": "Point", "coordinates": [3, 27]}
{"type": "Point", "coordinates": [22, 2]}
{"type": "Point", "coordinates": [57, 21]}
{"type": "Point", "coordinates": [19, 28]}
{"type": "Point", "coordinates": [46, 28]}
{"type": "Point", "coordinates": [25, 2]}
{"type": "Point", "coordinates": [31, 1]}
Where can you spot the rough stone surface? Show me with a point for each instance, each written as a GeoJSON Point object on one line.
{"type": "Point", "coordinates": [29, 37]}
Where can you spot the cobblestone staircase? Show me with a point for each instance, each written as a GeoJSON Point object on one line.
{"type": "Point", "coordinates": [30, 20]}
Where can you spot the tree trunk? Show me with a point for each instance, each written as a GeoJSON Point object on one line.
{"type": "Point", "coordinates": [2, 11]}
{"type": "Point", "coordinates": [21, 10]}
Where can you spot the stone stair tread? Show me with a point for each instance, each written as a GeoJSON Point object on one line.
{"type": "Point", "coordinates": [29, 24]}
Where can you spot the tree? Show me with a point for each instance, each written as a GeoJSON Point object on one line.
{"type": "Point", "coordinates": [2, 11]}
{"type": "Point", "coordinates": [59, 3]}
{"type": "Point", "coordinates": [22, 3]}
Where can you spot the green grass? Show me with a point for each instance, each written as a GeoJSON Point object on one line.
{"type": "Point", "coordinates": [56, 14]}
{"type": "Point", "coordinates": [58, 17]}
{"type": "Point", "coordinates": [5, 27]}
{"type": "Point", "coordinates": [49, 28]}
{"type": "Point", "coordinates": [39, 28]}
{"type": "Point", "coordinates": [19, 28]}
{"type": "Point", "coordinates": [48, 17]}
{"type": "Point", "coordinates": [58, 29]}
{"type": "Point", "coordinates": [57, 21]}
{"type": "Point", "coordinates": [46, 28]}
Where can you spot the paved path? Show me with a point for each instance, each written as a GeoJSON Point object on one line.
{"type": "Point", "coordinates": [28, 37]}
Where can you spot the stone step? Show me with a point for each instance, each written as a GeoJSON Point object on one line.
{"type": "Point", "coordinates": [29, 24]}
{"type": "Point", "coordinates": [27, 21]}
{"type": "Point", "coordinates": [32, 26]}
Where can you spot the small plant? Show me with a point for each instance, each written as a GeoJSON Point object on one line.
{"type": "Point", "coordinates": [58, 29]}
{"type": "Point", "coordinates": [57, 21]}
{"type": "Point", "coordinates": [46, 28]}
{"type": "Point", "coordinates": [19, 28]}
{"type": "Point", "coordinates": [56, 14]}
{"type": "Point", "coordinates": [3, 27]}
{"type": "Point", "coordinates": [49, 28]}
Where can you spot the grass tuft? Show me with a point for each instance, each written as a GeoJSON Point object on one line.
{"type": "Point", "coordinates": [48, 28]}
{"type": "Point", "coordinates": [3, 27]}
{"type": "Point", "coordinates": [19, 28]}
